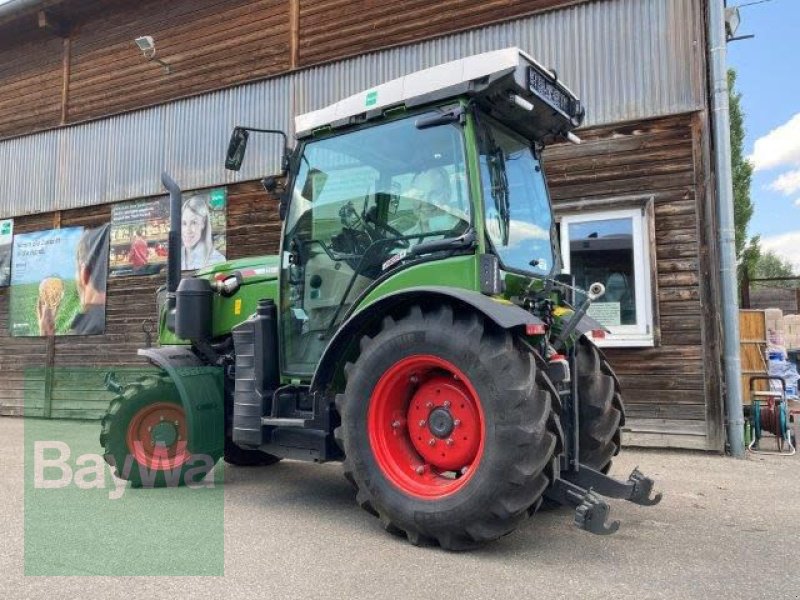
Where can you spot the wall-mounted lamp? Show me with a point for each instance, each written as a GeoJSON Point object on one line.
{"type": "Point", "coordinates": [147, 45]}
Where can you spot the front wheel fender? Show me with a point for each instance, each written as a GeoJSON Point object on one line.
{"type": "Point", "coordinates": [202, 393]}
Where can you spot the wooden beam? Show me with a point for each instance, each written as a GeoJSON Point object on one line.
{"type": "Point", "coordinates": [65, 75]}
{"type": "Point", "coordinates": [50, 352]}
{"type": "Point", "coordinates": [294, 29]}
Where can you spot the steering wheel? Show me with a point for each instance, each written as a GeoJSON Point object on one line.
{"type": "Point", "coordinates": [369, 217]}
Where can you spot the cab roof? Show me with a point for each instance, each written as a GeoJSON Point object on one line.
{"type": "Point", "coordinates": [496, 80]}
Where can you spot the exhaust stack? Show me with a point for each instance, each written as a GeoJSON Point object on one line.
{"type": "Point", "coordinates": [174, 239]}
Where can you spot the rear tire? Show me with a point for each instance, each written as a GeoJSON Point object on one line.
{"type": "Point", "coordinates": [144, 435]}
{"type": "Point", "coordinates": [491, 413]}
{"type": "Point", "coordinates": [602, 412]}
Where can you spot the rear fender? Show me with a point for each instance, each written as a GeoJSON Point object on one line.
{"type": "Point", "coordinates": [503, 313]}
{"type": "Point", "coordinates": [202, 392]}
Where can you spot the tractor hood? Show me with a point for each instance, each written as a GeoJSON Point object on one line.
{"type": "Point", "coordinates": [253, 268]}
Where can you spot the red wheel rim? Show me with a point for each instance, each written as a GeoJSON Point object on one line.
{"type": "Point", "coordinates": [426, 427]}
{"type": "Point", "coordinates": [156, 436]}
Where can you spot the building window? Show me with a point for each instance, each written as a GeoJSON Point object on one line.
{"type": "Point", "coordinates": [613, 247]}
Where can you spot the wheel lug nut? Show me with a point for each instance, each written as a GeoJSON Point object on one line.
{"type": "Point", "coordinates": [176, 423]}
{"type": "Point", "coordinates": [413, 379]}
{"type": "Point", "coordinates": [449, 441]}
{"type": "Point", "coordinates": [464, 470]}
{"type": "Point", "coordinates": [422, 422]}
{"type": "Point", "coordinates": [395, 424]}
{"type": "Point", "coordinates": [420, 470]}
{"type": "Point", "coordinates": [456, 422]}
{"type": "Point", "coordinates": [429, 404]}
{"type": "Point", "coordinates": [447, 403]}
{"type": "Point", "coordinates": [431, 442]}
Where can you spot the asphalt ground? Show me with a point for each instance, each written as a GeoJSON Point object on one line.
{"type": "Point", "coordinates": [725, 529]}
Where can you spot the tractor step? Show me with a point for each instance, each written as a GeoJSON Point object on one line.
{"type": "Point", "coordinates": [591, 511]}
{"type": "Point", "coordinates": [285, 422]}
{"type": "Point", "coordinates": [637, 489]}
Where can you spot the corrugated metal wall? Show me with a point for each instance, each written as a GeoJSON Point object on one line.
{"type": "Point", "coordinates": [627, 59]}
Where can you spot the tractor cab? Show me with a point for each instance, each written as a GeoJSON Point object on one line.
{"type": "Point", "coordinates": [414, 171]}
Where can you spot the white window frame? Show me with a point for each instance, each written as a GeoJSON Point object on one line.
{"type": "Point", "coordinates": [643, 333]}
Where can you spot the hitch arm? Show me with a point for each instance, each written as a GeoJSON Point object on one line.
{"type": "Point", "coordinates": [637, 489]}
{"type": "Point", "coordinates": [591, 511]}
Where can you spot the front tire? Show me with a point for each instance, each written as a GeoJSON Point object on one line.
{"type": "Point", "coordinates": [450, 430]}
{"type": "Point", "coordinates": [144, 436]}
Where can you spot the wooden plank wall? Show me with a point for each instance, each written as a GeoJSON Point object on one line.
{"type": "Point", "coordinates": [73, 387]}
{"type": "Point", "coordinates": [96, 70]}
{"type": "Point", "coordinates": [753, 347]}
{"type": "Point", "coordinates": [333, 29]}
{"type": "Point", "coordinates": [208, 45]}
{"type": "Point", "coordinates": [30, 82]}
{"type": "Point", "coordinates": [667, 387]}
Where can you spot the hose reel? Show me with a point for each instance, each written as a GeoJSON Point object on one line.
{"type": "Point", "coordinates": [769, 413]}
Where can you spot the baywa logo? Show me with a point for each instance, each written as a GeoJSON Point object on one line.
{"type": "Point", "coordinates": [54, 469]}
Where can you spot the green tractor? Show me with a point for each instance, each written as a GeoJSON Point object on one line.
{"type": "Point", "coordinates": [414, 325]}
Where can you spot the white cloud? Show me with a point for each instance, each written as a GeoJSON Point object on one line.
{"type": "Point", "coordinates": [785, 245]}
{"type": "Point", "coordinates": [779, 148]}
{"type": "Point", "coordinates": [788, 183]}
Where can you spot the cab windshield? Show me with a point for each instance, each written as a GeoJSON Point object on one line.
{"type": "Point", "coordinates": [519, 222]}
{"type": "Point", "coordinates": [359, 202]}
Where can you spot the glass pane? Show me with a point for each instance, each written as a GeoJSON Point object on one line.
{"type": "Point", "coordinates": [518, 217]}
{"type": "Point", "coordinates": [359, 200]}
{"type": "Point", "coordinates": [602, 251]}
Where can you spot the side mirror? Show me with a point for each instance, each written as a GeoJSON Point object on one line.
{"type": "Point", "coordinates": [236, 149]}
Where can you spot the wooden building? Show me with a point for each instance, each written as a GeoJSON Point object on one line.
{"type": "Point", "coordinates": [86, 121]}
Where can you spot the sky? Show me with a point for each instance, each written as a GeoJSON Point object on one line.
{"type": "Point", "coordinates": [768, 77]}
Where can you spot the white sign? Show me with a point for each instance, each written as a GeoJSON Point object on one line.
{"type": "Point", "coordinates": [606, 313]}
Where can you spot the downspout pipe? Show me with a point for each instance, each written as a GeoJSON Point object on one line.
{"type": "Point", "coordinates": [720, 125]}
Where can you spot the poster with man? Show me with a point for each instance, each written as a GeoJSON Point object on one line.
{"type": "Point", "coordinates": [6, 237]}
{"type": "Point", "coordinates": [58, 282]}
{"type": "Point", "coordinates": [140, 233]}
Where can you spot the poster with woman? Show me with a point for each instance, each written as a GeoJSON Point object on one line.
{"type": "Point", "coordinates": [203, 229]}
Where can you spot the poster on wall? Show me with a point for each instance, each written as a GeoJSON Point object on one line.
{"type": "Point", "coordinates": [203, 229]}
{"type": "Point", "coordinates": [6, 237]}
{"type": "Point", "coordinates": [58, 282]}
{"type": "Point", "coordinates": [140, 233]}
